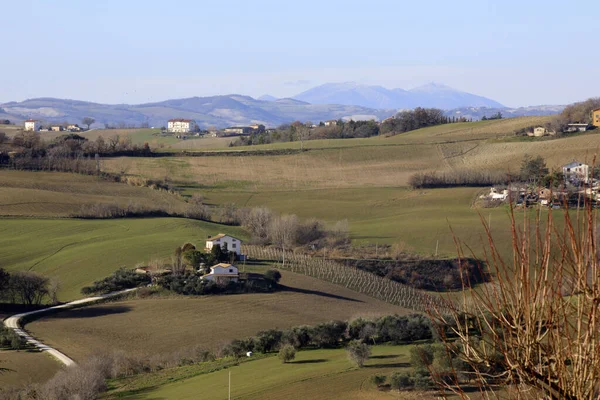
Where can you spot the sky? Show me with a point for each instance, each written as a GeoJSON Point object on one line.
{"type": "Point", "coordinates": [132, 51]}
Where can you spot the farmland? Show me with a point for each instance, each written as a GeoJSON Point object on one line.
{"type": "Point", "coordinates": [147, 325]}
{"type": "Point", "coordinates": [26, 367]}
{"type": "Point", "coordinates": [315, 374]}
{"type": "Point", "coordinates": [79, 252]}
{"type": "Point", "coordinates": [54, 194]}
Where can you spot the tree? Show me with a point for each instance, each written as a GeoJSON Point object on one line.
{"type": "Point", "coordinates": [358, 352]}
{"type": "Point", "coordinates": [273, 276]}
{"type": "Point", "coordinates": [401, 381]}
{"type": "Point", "coordinates": [287, 353]}
{"type": "Point", "coordinates": [421, 357]}
{"type": "Point", "coordinates": [29, 287]}
{"type": "Point", "coordinates": [88, 121]}
{"type": "Point", "coordinates": [4, 280]}
{"type": "Point", "coordinates": [303, 133]}
{"type": "Point", "coordinates": [282, 232]}
{"type": "Point", "coordinates": [53, 289]}
{"type": "Point", "coordinates": [533, 169]}
{"type": "Point", "coordinates": [195, 258]}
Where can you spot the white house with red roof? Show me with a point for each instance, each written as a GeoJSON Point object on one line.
{"type": "Point", "coordinates": [32, 125]}
{"type": "Point", "coordinates": [227, 242]}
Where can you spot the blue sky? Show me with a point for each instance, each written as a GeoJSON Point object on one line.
{"type": "Point", "coordinates": [132, 51]}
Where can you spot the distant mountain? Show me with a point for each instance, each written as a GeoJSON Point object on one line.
{"type": "Point", "coordinates": [267, 97]}
{"type": "Point", "coordinates": [219, 111]}
{"type": "Point", "coordinates": [431, 95]}
{"type": "Point", "coordinates": [476, 113]}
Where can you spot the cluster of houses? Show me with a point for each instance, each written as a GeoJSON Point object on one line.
{"type": "Point", "coordinates": [33, 125]}
{"type": "Point", "coordinates": [540, 131]}
{"type": "Point", "coordinates": [182, 127]}
{"type": "Point", "coordinates": [222, 272]}
{"type": "Point", "coordinates": [578, 183]}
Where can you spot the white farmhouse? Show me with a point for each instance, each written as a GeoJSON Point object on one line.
{"type": "Point", "coordinates": [180, 125]}
{"type": "Point", "coordinates": [32, 125]}
{"type": "Point", "coordinates": [576, 171]}
{"type": "Point", "coordinates": [222, 272]}
{"type": "Point", "coordinates": [226, 242]}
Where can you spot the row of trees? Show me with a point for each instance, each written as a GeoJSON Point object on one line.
{"type": "Point", "coordinates": [418, 118]}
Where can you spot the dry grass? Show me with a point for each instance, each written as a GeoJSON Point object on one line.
{"type": "Point", "coordinates": [163, 325]}
{"type": "Point", "coordinates": [26, 367]}
{"type": "Point", "coordinates": [52, 194]}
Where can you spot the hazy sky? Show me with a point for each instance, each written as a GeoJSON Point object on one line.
{"type": "Point", "coordinates": [524, 52]}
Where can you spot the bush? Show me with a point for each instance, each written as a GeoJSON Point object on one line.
{"type": "Point", "coordinates": [328, 334]}
{"type": "Point", "coordinates": [287, 353]}
{"type": "Point", "coordinates": [267, 341]}
{"type": "Point", "coordinates": [358, 352]}
{"type": "Point", "coordinates": [400, 381]}
{"type": "Point", "coordinates": [273, 276]}
{"type": "Point", "coordinates": [378, 380]}
{"type": "Point", "coordinates": [425, 180]}
{"type": "Point", "coordinates": [421, 357]}
{"type": "Point", "coordinates": [10, 340]}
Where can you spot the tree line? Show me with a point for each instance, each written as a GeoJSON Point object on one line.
{"type": "Point", "coordinates": [27, 288]}
{"type": "Point", "coordinates": [418, 118]}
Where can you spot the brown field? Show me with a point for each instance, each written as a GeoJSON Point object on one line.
{"type": "Point", "coordinates": [54, 194]}
{"type": "Point", "coordinates": [163, 325]}
{"type": "Point", "coordinates": [26, 367]}
{"type": "Point", "coordinates": [203, 143]}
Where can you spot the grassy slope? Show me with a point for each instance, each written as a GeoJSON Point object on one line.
{"type": "Point", "coordinates": [26, 367]}
{"type": "Point", "coordinates": [315, 374]}
{"type": "Point", "coordinates": [163, 325]}
{"type": "Point", "coordinates": [54, 194]}
{"type": "Point", "coordinates": [79, 252]}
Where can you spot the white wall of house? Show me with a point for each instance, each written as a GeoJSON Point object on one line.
{"type": "Point", "coordinates": [183, 126]}
{"type": "Point", "coordinates": [580, 171]}
{"type": "Point", "coordinates": [222, 271]}
{"type": "Point", "coordinates": [32, 125]}
{"type": "Point", "coordinates": [226, 242]}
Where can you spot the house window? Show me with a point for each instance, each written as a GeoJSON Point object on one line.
{"type": "Point", "coordinates": [231, 270]}
{"type": "Point", "coordinates": [233, 245]}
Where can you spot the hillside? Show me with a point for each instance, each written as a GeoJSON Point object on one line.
{"type": "Point", "coordinates": [148, 325]}
{"type": "Point", "coordinates": [218, 111]}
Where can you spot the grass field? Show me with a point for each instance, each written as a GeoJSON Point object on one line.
{"type": "Point", "coordinates": [163, 325]}
{"type": "Point", "coordinates": [26, 367]}
{"type": "Point", "coordinates": [314, 374]}
{"type": "Point", "coordinates": [54, 194]}
{"type": "Point", "coordinates": [79, 252]}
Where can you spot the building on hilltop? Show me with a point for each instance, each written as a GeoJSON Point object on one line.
{"type": "Point", "coordinates": [596, 117]}
{"type": "Point", "coordinates": [331, 122]}
{"type": "Point", "coordinates": [56, 128]}
{"type": "Point", "coordinates": [32, 125]}
{"type": "Point", "coordinates": [577, 127]}
{"type": "Point", "coordinates": [181, 125]}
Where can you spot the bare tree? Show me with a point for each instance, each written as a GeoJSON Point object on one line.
{"type": "Point", "coordinates": [53, 289]}
{"type": "Point", "coordinates": [303, 133]}
{"type": "Point", "coordinates": [29, 287]}
{"type": "Point", "coordinates": [88, 121]}
{"type": "Point", "coordinates": [536, 328]}
{"type": "Point", "coordinates": [282, 232]}
{"type": "Point", "coordinates": [257, 221]}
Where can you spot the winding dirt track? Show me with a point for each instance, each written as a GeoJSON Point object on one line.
{"type": "Point", "coordinates": [14, 324]}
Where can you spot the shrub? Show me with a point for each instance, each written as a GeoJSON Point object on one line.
{"type": "Point", "coordinates": [273, 276]}
{"type": "Point", "coordinates": [358, 352]}
{"type": "Point", "coordinates": [328, 334]}
{"type": "Point", "coordinates": [287, 353]}
{"type": "Point", "coordinates": [401, 381]}
{"type": "Point", "coordinates": [119, 280]}
{"type": "Point", "coordinates": [378, 380]}
{"type": "Point", "coordinates": [421, 357]}
{"type": "Point", "coordinates": [267, 341]}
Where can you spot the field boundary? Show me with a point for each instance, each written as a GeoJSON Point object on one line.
{"type": "Point", "coordinates": [14, 323]}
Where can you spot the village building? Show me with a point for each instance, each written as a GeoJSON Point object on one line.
{"type": "Point", "coordinates": [331, 122]}
{"type": "Point", "coordinates": [576, 171]}
{"type": "Point", "coordinates": [181, 125]}
{"type": "Point", "coordinates": [229, 243]}
{"type": "Point", "coordinates": [73, 128]}
{"type": "Point", "coordinates": [596, 117]}
{"type": "Point", "coordinates": [57, 128]}
{"type": "Point", "coordinates": [577, 127]}
{"type": "Point", "coordinates": [222, 273]}
{"type": "Point", "coordinates": [32, 125]}
{"type": "Point", "coordinates": [238, 130]}
{"type": "Point", "coordinates": [257, 128]}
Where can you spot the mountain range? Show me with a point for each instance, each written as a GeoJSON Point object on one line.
{"type": "Point", "coordinates": [430, 95]}
{"type": "Point", "coordinates": [325, 102]}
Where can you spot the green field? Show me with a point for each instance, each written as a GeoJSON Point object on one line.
{"type": "Point", "coordinates": [78, 252]}
{"type": "Point", "coordinates": [314, 374]}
